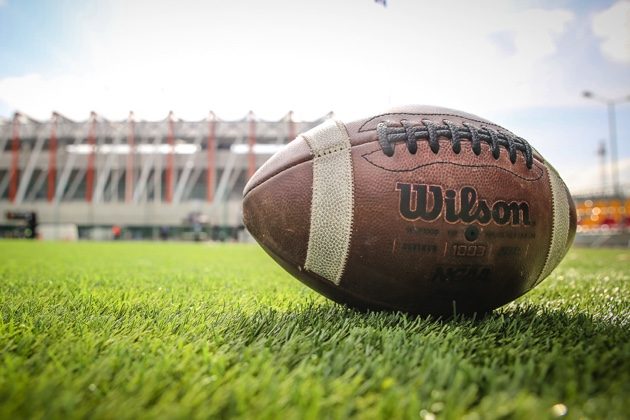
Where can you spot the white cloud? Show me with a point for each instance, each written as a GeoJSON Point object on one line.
{"type": "Point", "coordinates": [272, 56]}
{"type": "Point", "coordinates": [612, 26]}
{"type": "Point", "coordinates": [3, 3]}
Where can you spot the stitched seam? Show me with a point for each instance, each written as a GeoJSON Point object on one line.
{"type": "Point", "coordinates": [454, 164]}
{"type": "Point", "coordinates": [388, 135]}
{"type": "Point", "coordinates": [331, 150]}
{"type": "Point", "coordinates": [276, 174]}
{"type": "Point", "coordinates": [361, 129]}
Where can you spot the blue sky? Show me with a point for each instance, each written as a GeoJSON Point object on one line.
{"type": "Point", "coordinates": [522, 64]}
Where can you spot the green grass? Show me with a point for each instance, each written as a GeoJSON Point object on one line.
{"type": "Point", "coordinates": [178, 330]}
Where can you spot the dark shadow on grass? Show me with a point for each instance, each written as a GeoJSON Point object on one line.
{"type": "Point", "coordinates": [571, 354]}
{"type": "Point", "coordinates": [547, 327]}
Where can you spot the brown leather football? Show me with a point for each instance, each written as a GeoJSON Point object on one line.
{"type": "Point", "coordinates": [419, 209]}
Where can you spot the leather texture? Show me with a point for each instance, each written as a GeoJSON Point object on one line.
{"type": "Point", "coordinates": [295, 152]}
{"type": "Point", "coordinates": [277, 212]}
{"type": "Point", "coordinates": [462, 260]}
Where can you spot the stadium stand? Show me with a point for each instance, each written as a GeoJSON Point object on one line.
{"type": "Point", "coordinates": [147, 177]}
{"type": "Point", "coordinates": [603, 220]}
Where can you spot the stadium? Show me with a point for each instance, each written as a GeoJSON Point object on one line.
{"type": "Point", "coordinates": [453, 242]}
{"type": "Point", "coordinates": [83, 178]}
{"type": "Point", "coordinates": [101, 179]}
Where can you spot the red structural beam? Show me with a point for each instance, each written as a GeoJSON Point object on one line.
{"type": "Point", "coordinates": [15, 157]}
{"type": "Point", "coordinates": [129, 174]}
{"type": "Point", "coordinates": [52, 158]}
{"type": "Point", "coordinates": [170, 159]}
{"type": "Point", "coordinates": [251, 142]}
{"type": "Point", "coordinates": [211, 157]}
{"type": "Point", "coordinates": [89, 176]}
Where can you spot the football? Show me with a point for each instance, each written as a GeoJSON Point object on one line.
{"type": "Point", "coordinates": [418, 209]}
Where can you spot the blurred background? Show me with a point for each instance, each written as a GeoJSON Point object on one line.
{"type": "Point", "coordinates": [144, 119]}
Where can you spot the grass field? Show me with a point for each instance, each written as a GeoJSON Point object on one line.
{"type": "Point", "coordinates": [178, 330]}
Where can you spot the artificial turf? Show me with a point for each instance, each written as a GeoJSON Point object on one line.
{"type": "Point", "coordinates": [127, 330]}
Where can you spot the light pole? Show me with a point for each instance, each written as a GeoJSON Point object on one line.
{"type": "Point", "coordinates": [612, 130]}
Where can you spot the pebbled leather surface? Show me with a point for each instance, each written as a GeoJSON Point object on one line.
{"type": "Point", "coordinates": [415, 250]}
{"type": "Point", "coordinates": [295, 152]}
{"type": "Point", "coordinates": [417, 266]}
{"type": "Point", "coordinates": [277, 212]}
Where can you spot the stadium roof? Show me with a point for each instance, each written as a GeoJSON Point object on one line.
{"type": "Point", "coordinates": [24, 118]}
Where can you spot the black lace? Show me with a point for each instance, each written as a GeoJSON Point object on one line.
{"type": "Point", "coordinates": [410, 134]}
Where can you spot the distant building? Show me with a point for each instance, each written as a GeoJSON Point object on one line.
{"type": "Point", "coordinates": [140, 175]}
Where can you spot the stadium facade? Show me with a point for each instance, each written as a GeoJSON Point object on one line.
{"type": "Point", "coordinates": [98, 177]}
{"type": "Point", "coordinates": [141, 175]}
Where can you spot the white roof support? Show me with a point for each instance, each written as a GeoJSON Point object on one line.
{"type": "Point", "coordinates": [103, 174]}
{"type": "Point", "coordinates": [65, 173]}
{"type": "Point", "coordinates": [183, 179]}
{"type": "Point", "coordinates": [4, 138]}
{"type": "Point", "coordinates": [196, 173]}
{"type": "Point", "coordinates": [157, 178]}
{"type": "Point", "coordinates": [25, 179]}
{"type": "Point", "coordinates": [140, 189]}
{"type": "Point", "coordinates": [4, 183]}
{"type": "Point", "coordinates": [220, 194]}
{"type": "Point", "coordinates": [74, 186]}
{"type": "Point", "coordinates": [232, 181]}
{"type": "Point", "coordinates": [37, 185]}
